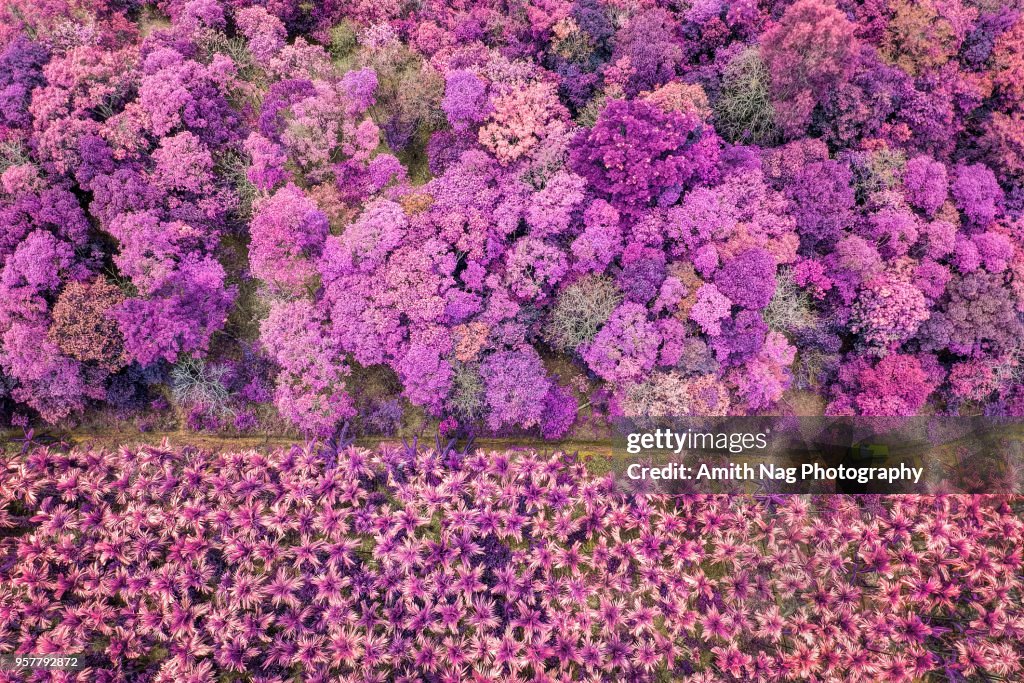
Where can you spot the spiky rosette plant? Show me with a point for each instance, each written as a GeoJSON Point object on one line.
{"type": "Point", "coordinates": [404, 563]}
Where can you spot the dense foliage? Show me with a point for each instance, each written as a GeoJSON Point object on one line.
{"type": "Point", "coordinates": [506, 218]}
{"type": "Point", "coordinates": [405, 564]}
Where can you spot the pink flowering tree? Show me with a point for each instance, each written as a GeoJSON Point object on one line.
{"type": "Point", "coordinates": [752, 198]}
{"type": "Point", "coordinates": [288, 232]}
{"type": "Point", "coordinates": [311, 383]}
{"type": "Point", "coordinates": [808, 51]}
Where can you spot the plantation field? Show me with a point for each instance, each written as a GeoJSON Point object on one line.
{"type": "Point", "coordinates": [309, 562]}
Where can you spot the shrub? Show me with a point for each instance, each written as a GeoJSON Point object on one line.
{"type": "Point", "coordinates": [83, 326]}
{"type": "Point", "coordinates": [791, 308]}
{"type": "Point", "coordinates": [196, 384]}
{"type": "Point", "coordinates": [743, 109]}
{"type": "Point", "coordinates": [467, 398]}
{"type": "Point", "coordinates": [580, 310]}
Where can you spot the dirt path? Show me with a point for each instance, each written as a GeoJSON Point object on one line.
{"type": "Point", "coordinates": [117, 439]}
